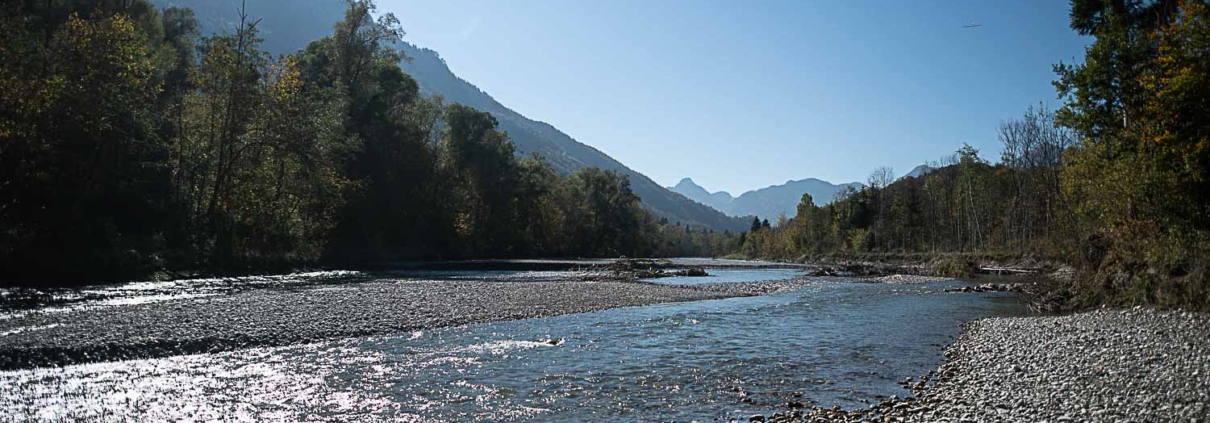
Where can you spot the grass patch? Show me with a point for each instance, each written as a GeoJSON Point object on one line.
{"type": "Point", "coordinates": [953, 267]}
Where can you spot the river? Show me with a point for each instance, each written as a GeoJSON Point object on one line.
{"type": "Point", "coordinates": [834, 342]}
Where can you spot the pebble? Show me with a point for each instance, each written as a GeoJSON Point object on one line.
{"type": "Point", "coordinates": [276, 317]}
{"type": "Point", "coordinates": [1093, 366]}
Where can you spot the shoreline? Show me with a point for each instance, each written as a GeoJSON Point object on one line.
{"type": "Point", "coordinates": [527, 264]}
{"type": "Point", "coordinates": [286, 311]}
{"type": "Point", "coordinates": [1035, 278]}
{"type": "Point", "coordinates": [261, 318]}
{"type": "Point", "coordinates": [20, 300]}
{"type": "Point", "coordinates": [1154, 365]}
{"type": "Point", "coordinates": [1103, 365]}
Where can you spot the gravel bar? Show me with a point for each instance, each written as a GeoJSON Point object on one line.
{"type": "Point", "coordinates": [283, 317]}
{"type": "Point", "coordinates": [1103, 366]}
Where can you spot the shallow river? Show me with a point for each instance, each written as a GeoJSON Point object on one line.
{"type": "Point", "coordinates": [830, 343]}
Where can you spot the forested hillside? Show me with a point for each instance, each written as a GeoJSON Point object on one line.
{"type": "Point", "coordinates": [288, 25]}
{"type": "Point", "coordinates": [1116, 182]}
{"type": "Point", "coordinates": [133, 142]}
{"type": "Point", "coordinates": [565, 154]}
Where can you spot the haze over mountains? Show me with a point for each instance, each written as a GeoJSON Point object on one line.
{"type": "Point", "coordinates": [295, 23]}
{"type": "Point", "coordinates": [773, 201]}
{"type": "Point", "coordinates": [563, 152]}
{"type": "Point", "coordinates": [765, 203]}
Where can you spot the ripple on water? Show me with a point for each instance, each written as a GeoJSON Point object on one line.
{"type": "Point", "coordinates": [834, 343]}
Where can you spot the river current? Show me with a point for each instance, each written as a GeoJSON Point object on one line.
{"type": "Point", "coordinates": [833, 342]}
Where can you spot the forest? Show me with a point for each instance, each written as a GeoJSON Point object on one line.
{"type": "Point", "coordinates": [1116, 182]}
{"type": "Point", "coordinates": [130, 143]}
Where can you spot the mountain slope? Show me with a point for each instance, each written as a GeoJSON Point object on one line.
{"type": "Point", "coordinates": [288, 25]}
{"type": "Point", "coordinates": [766, 203]}
{"type": "Point", "coordinates": [918, 171]}
{"type": "Point", "coordinates": [563, 152]}
{"type": "Point", "coordinates": [774, 201]}
{"type": "Point", "coordinates": [720, 201]}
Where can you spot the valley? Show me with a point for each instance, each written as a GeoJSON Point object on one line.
{"type": "Point", "coordinates": [296, 210]}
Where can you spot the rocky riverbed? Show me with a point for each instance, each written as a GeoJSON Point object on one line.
{"type": "Point", "coordinates": [1102, 366]}
{"type": "Point", "coordinates": [901, 279]}
{"type": "Point", "coordinates": [283, 317]}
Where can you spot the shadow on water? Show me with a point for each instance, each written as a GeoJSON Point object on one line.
{"type": "Point", "coordinates": [731, 276]}
{"type": "Point", "coordinates": [832, 343]}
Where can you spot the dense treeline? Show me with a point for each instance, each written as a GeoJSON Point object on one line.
{"type": "Point", "coordinates": [1116, 182]}
{"type": "Point", "coordinates": [130, 142]}
{"type": "Point", "coordinates": [963, 204]}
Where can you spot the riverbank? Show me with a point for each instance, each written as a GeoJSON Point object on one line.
{"type": "Point", "coordinates": [1104, 365]}
{"type": "Point", "coordinates": [56, 298]}
{"type": "Point", "coordinates": [283, 317]}
{"type": "Point", "coordinates": [954, 265]}
{"type": "Point", "coordinates": [1041, 280]}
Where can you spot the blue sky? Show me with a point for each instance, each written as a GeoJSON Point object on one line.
{"type": "Point", "coordinates": [740, 95]}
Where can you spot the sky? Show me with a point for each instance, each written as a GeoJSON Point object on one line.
{"type": "Point", "coordinates": [740, 95]}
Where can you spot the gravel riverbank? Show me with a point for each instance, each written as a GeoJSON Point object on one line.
{"type": "Point", "coordinates": [1102, 366]}
{"type": "Point", "coordinates": [282, 317]}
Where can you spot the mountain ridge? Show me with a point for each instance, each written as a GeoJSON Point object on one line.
{"type": "Point", "coordinates": [309, 20]}
{"type": "Point", "coordinates": [561, 150]}
{"type": "Point", "coordinates": [769, 202]}
{"type": "Point", "coordinates": [720, 200]}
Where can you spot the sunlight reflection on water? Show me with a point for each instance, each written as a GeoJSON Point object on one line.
{"type": "Point", "coordinates": [17, 302]}
{"type": "Point", "coordinates": [834, 343]}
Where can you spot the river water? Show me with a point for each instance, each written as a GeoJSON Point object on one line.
{"type": "Point", "coordinates": [830, 343]}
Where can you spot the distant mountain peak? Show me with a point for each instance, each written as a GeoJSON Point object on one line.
{"type": "Point", "coordinates": [717, 200]}
{"type": "Point", "coordinates": [801, 181]}
{"type": "Point", "coordinates": [767, 203]}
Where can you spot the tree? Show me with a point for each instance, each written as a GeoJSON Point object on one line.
{"type": "Point", "coordinates": [879, 180]}
{"type": "Point", "coordinates": [974, 202]}
{"type": "Point", "coordinates": [1137, 177]}
{"type": "Point", "coordinates": [607, 215]}
{"type": "Point", "coordinates": [131, 143]}
{"type": "Point", "coordinates": [881, 177]}
{"type": "Point", "coordinates": [80, 175]}
{"type": "Point", "coordinates": [178, 60]}
{"type": "Point", "coordinates": [480, 158]}
{"type": "Point", "coordinates": [540, 220]}
{"type": "Point", "coordinates": [295, 185]}
{"type": "Point", "coordinates": [215, 150]}
{"type": "Point", "coordinates": [1033, 151]}
{"type": "Point", "coordinates": [396, 207]}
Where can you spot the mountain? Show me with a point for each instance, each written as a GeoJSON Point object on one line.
{"type": "Point", "coordinates": [771, 202]}
{"type": "Point", "coordinates": [719, 201]}
{"type": "Point", "coordinates": [563, 152]}
{"type": "Point", "coordinates": [918, 171]}
{"type": "Point", "coordinates": [288, 25]}
{"type": "Point", "coordinates": [766, 203]}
